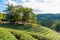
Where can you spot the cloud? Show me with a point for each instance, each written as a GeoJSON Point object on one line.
{"type": "Point", "coordinates": [39, 6]}
{"type": "Point", "coordinates": [50, 7]}
{"type": "Point", "coordinates": [32, 4]}
{"type": "Point", "coordinates": [10, 2]}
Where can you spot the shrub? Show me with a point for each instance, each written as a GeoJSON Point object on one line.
{"type": "Point", "coordinates": [21, 35]}
{"type": "Point", "coordinates": [5, 35]}
{"type": "Point", "coordinates": [41, 36]}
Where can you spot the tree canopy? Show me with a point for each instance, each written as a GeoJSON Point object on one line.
{"type": "Point", "coordinates": [1, 16]}
{"type": "Point", "coordinates": [20, 13]}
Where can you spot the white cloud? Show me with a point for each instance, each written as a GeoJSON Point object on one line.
{"type": "Point", "coordinates": [53, 7]}
{"type": "Point", "coordinates": [47, 6]}
{"type": "Point", "coordinates": [40, 6]}
{"type": "Point", "coordinates": [32, 4]}
{"type": "Point", "coordinates": [10, 2]}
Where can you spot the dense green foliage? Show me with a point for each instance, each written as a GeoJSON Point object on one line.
{"type": "Point", "coordinates": [1, 16]}
{"type": "Point", "coordinates": [6, 35]}
{"type": "Point", "coordinates": [19, 13]}
{"type": "Point", "coordinates": [31, 33]}
{"type": "Point", "coordinates": [51, 21]}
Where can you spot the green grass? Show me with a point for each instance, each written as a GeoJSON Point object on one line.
{"type": "Point", "coordinates": [45, 31]}
{"type": "Point", "coordinates": [6, 35]}
{"type": "Point", "coordinates": [19, 35]}
{"type": "Point", "coordinates": [28, 32]}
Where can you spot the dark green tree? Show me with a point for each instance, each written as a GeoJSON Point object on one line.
{"type": "Point", "coordinates": [1, 16]}
{"type": "Point", "coordinates": [19, 13]}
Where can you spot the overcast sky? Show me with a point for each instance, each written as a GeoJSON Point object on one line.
{"type": "Point", "coordinates": [39, 6]}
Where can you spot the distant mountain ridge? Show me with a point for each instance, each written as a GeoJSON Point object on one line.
{"type": "Point", "coordinates": [49, 16]}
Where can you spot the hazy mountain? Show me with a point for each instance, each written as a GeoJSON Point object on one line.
{"type": "Point", "coordinates": [49, 16]}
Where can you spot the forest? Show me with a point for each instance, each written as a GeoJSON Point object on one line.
{"type": "Point", "coordinates": [18, 14]}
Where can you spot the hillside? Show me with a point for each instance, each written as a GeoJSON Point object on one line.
{"type": "Point", "coordinates": [33, 33]}
{"type": "Point", "coordinates": [49, 16]}
{"type": "Point", "coordinates": [21, 23]}
{"type": "Point", "coordinates": [49, 20]}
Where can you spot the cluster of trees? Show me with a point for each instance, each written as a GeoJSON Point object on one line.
{"type": "Point", "coordinates": [56, 25]}
{"type": "Point", "coordinates": [45, 22]}
{"type": "Point", "coordinates": [51, 21]}
{"type": "Point", "coordinates": [52, 24]}
{"type": "Point", "coordinates": [18, 14]}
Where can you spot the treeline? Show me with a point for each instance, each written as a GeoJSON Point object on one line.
{"type": "Point", "coordinates": [51, 21]}
{"type": "Point", "coordinates": [18, 14]}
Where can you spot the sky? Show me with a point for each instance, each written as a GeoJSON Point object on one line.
{"type": "Point", "coordinates": [38, 6]}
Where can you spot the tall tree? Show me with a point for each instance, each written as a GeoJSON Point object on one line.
{"type": "Point", "coordinates": [9, 12]}
{"type": "Point", "coordinates": [19, 13]}
{"type": "Point", "coordinates": [1, 16]}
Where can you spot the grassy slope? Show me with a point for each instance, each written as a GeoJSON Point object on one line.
{"type": "Point", "coordinates": [6, 35]}
{"type": "Point", "coordinates": [30, 33]}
